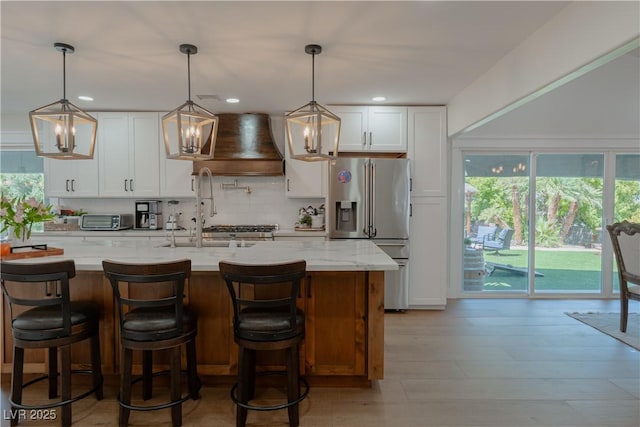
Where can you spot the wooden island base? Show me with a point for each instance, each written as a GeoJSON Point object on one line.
{"type": "Point", "coordinates": [343, 345]}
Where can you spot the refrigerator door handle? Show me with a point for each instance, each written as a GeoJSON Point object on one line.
{"type": "Point", "coordinates": [372, 226]}
{"type": "Point", "coordinates": [365, 230]}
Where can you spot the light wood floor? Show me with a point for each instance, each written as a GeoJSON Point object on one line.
{"type": "Point", "coordinates": [506, 363]}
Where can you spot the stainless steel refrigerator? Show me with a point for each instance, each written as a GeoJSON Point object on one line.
{"type": "Point", "coordinates": [369, 199]}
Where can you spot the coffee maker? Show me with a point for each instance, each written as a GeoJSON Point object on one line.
{"type": "Point", "coordinates": [148, 214]}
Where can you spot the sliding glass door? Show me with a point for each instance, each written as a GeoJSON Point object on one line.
{"type": "Point", "coordinates": [533, 222]}
{"type": "Point", "coordinates": [626, 196]}
{"type": "Point", "coordinates": [568, 223]}
{"type": "Point", "coordinates": [496, 223]}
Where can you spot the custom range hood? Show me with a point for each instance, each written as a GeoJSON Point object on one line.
{"type": "Point", "coordinates": [244, 147]}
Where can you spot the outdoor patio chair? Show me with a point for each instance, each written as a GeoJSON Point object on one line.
{"type": "Point", "coordinates": [501, 242]}
{"type": "Point", "coordinates": [625, 237]}
{"type": "Point", "coordinates": [485, 233]}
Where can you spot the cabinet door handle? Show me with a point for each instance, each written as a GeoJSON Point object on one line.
{"type": "Point", "coordinates": [370, 138]}
{"type": "Point", "coordinates": [364, 139]}
{"type": "Point", "coordinates": [125, 185]}
{"type": "Point", "coordinates": [308, 286]}
{"type": "Point", "coordinates": [410, 209]}
{"type": "Point", "coordinates": [130, 185]}
{"type": "Point", "coordinates": [66, 185]}
{"type": "Point", "coordinates": [192, 184]}
{"type": "Point", "coordinates": [288, 189]}
{"type": "Point", "coordinates": [73, 185]}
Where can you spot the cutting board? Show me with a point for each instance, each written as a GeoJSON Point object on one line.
{"type": "Point", "coordinates": [33, 253]}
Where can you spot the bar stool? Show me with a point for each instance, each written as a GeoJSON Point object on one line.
{"type": "Point", "coordinates": [54, 322]}
{"type": "Point", "coordinates": [150, 321]}
{"type": "Point", "coordinates": [265, 318]}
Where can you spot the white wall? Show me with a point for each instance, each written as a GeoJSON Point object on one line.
{"type": "Point", "coordinates": [579, 35]}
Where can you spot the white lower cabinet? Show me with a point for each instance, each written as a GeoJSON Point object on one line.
{"type": "Point", "coordinates": [428, 245]}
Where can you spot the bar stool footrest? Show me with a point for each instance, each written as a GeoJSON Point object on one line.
{"type": "Point", "coordinates": [303, 395]}
{"type": "Point", "coordinates": [161, 405]}
{"type": "Point", "coordinates": [60, 403]}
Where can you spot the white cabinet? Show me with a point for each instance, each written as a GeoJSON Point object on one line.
{"type": "Point", "coordinates": [71, 178]}
{"type": "Point", "coordinates": [176, 178]}
{"type": "Point", "coordinates": [129, 147]}
{"type": "Point", "coordinates": [428, 246]}
{"type": "Point", "coordinates": [378, 129]}
{"type": "Point", "coordinates": [427, 151]}
{"type": "Point", "coordinates": [304, 179]}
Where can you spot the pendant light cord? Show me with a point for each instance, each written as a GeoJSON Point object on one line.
{"type": "Point", "coordinates": [189, 73]}
{"type": "Point", "coordinates": [64, 74]}
{"type": "Point", "coordinates": [313, 77]}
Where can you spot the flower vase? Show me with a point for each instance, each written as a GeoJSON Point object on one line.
{"type": "Point", "coordinates": [21, 237]}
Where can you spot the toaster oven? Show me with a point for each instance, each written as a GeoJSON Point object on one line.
{"type": "Point", "coordinates": [105, 222]}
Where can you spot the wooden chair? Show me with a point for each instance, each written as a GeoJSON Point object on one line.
{"type": "Point", "coordinates": [265, 318]}
{"type": "Point", "coordinates": [150, 321]}
{"type": "Point", "coordinates": [625, 238]}
{"type": "Point", "coordinates": [53, 322]}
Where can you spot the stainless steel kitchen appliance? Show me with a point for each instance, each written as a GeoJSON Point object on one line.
{"type": "Point", "coordinates": [148, 214]}
{"type": "Point", "coordinates": [105, 222]}
{"type": "Point", "coordinates": [239, 233]}
{"type": "Point", "coordinates": [369, 199]}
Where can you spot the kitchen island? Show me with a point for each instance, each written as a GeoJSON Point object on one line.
{"type": "Point", "coordinates": [342, 297]}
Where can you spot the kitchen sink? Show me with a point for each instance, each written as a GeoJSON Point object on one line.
{"type": "Point", "coordinates": [206, 244]}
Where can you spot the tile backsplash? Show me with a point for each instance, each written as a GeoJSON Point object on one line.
{"type": "Point", "coordinates": [266, 204]}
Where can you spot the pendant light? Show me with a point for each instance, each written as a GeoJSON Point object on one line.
{"type": "Point", "coordinates": [61, 130]}
{"type": "Point", "coordinates": [312, 130]}
{"type": "Point", "coordinates": [189, 131]}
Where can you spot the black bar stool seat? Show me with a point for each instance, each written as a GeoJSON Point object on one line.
{"type": "Point", "coordinates": [150, 322]}
{"type": "Point", "coordinates": [53, 323]}
{"type": "Point", "coordinates": [266, 319]}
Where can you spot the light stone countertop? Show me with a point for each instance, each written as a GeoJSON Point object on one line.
{"type": "Point", "coordinates": [284, 232]}
{"type": "Point", "coordinates": [331, 255]}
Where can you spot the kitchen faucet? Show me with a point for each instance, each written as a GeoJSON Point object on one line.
{"type": "Point", "coordinates": [212, 207]}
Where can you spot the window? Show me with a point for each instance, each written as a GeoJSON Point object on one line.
{"type": "Point", "coordinates": [22, 174]}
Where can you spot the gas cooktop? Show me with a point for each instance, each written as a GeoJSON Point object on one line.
{"type": "Point", "coordinates": [228, 228]}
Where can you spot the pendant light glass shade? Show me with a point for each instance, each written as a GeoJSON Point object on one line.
{"type": "Point", "coordinates": [61, 130]}
{"type": "Point", "coordinates": [313, 132]}
{"type": "Point", "coordinates": [190, 130]}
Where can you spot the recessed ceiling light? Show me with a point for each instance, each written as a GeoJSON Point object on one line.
{"type": "Point", "coordinates": [85, 98]}
{"type": "Point", "coordinates": [379, 98]}
{"type": "Point", "coordinates": [233, 100]}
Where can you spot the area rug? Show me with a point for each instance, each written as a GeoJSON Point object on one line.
{"type": "Point", "coordinates": [609, 323]}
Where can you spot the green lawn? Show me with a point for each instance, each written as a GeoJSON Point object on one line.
{"type": "Point", "coordinates": [571, 271]}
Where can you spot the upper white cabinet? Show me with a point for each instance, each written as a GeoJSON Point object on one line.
{"type": "Point", "coordinates": [304, 179]}
{"type": "Point", "coordinates": [176, 178]}
{"type": "Point", "coordinates": [380, 129]}
{"type": "Point", "coordinates": [427, 151]}
{"type": "Point", "coordinates": [129, 147]}
{"type": "Point", "coordinates": [71, 178]}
